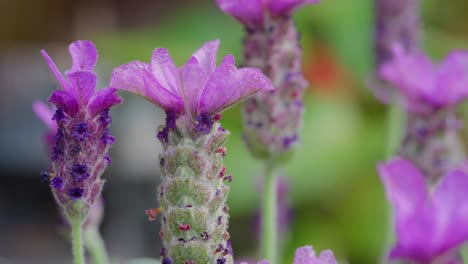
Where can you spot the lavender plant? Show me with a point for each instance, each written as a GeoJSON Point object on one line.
{"type": "Point", "coordinates": [193, 191]}
{"type": "Point", "coordinates": [271, 119]}
{"type": "Point", "coordinates": [430, 224]}
{"type": "Point", "coordinates": [92, 238]}
{"type": "Point", "coordinates": [431, 94]}
{"type": "Point", "coordinates": [82, 141]}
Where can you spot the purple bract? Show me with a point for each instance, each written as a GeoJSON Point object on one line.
{"type": "Point", "coordinates": [253, 13]}
{"type": "Point", "coordinates": [429, 224]}
{"type": "Point", "coordinates": [198, 88]}
{"type": "Point", "coordinates": [427, 86]}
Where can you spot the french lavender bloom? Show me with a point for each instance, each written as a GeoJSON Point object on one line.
{"type": "Point", "coordinates": [397, 21]}
{"type": "Point", "coordinates": [430, 224]}
{"type": "Point", "coordinates": [431, 93]}
{"type": "Point", "coordinates": [193, 192]}
{"type": "Point", "coordinates": [272, 119]}
{"type": "Point", "coordinates": [81, 144]}
{"type": "Point", "coordinates": [306, 255]}
{"type": "Point", "coordinates": [45, 114]}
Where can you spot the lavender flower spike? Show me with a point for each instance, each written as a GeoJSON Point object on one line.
{"type": "Point", "coordinates": [430, 226]}
{"type": "Point", "coordinates": [80, 154]}
{"type": "Point", "coordinates": [272, 119]}
{"type": "Point", "coordinates": [193, 192]}
{"type": "Point", "coordinates": [431, 93]}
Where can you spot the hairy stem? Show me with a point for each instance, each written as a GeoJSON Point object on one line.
{"type": "Point", "coordinates": [96, 246]}
{"type": "Point", "coordinates": [77, 242]}
{"type": "Point", "coordinates": [269, 217]}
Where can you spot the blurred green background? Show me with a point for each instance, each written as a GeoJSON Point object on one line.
{"type": "Point", "coordinates": [334, 190]}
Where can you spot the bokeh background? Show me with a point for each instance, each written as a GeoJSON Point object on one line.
{"type": "Point", "coordinates": [334, 192]}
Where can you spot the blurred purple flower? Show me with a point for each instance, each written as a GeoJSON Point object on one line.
{"type": "Point", "coordinates": [253, 13]}
{"type": "Point", "coordinates": [198, 88]}
{"type": "Point", "coordinates": [424, 85]}
{"type": "Point", "coordinates": [79, 154]}
{"type": "Point", "coordinates": [429, 224]}
{"type": "Point", "coordinates": [45, 113]}
{"type": "Point", "coordinates": [306, 255]}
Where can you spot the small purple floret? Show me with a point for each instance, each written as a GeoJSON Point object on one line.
{"type": "Point", "coordinates": [57, 182]}
{"type": "Point", "coordinates": [76, 193]}
{"type": "Point", "coordinates": [59, 115]}
{"type": "Point", "coordinates": [107, 138]}
{"type": "Point", "coordinates": [204, 123]}
{"type": "Point", "coordinates": [44, 176]}
{"type": "Point", "coordinates": [58, 136]}
{"type": "Point", "coordinates": [105, 118]}
{"type": "Point", "coordinates": [166, 261]}
{"type": "Point", "coordinates": [80, 172]}
{"type": "Point", "coordinates": [108, 159]}
{"type": "Point", "coordinates": [221, 261]}
{"type": "Point", "coordinates": [81, 131]}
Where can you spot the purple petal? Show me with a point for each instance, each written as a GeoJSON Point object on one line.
{"type": "Point", "coordinates": [84, 55]}
{"type": "Point", "coordinates": [83, 85]}
{"type": "Point", "coordinates": [413, 74]}
{"type": "Point", "coordinates": [64, 100]}
{"type": "Point", "coordinates": [136, 77]}
{"type": "Point", "coordinates": [249, 12]}
{"type": "Point", "coordinates": [194, 79]}
{"type": "Point", "coordinates": [406, 190]}
{"type": "Point", "coordinates": [264, 261]}
{"type": "Point", "coordinates": [304, 254]}
{"type": "Point", "coordinates": [327, 257]}
{"type": "Point", "coordinates": [62, 81]}
{"type": "Point", "coordinates": [45, 113]}
{"type": "Point", "coordinates": [228, 85]}
{"type": "Point", "coordinates": [452, 80]}
{"type": "Point", "coordinates": [165, 71]}
{"type": "Point", "coordinates": [206, 56]}
{"type": "Point", "coordinates": [103, 99]}
{"type": "Point", "coordinates": [286, 7]}
{"type": "Point", "coordinates": [451, 207]}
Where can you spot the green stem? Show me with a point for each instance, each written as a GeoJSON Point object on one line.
{"type": "Point", "coordinates": [96, 246]}
{"type": "Point", "coordinates": [77, 242]}
{"type": "Point", "coordinates": [269, 219]}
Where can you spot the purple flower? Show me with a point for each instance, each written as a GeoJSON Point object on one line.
{"type": "Point", "coordinates": [197, 88]}
{"type": "Point", "coordinates": [82, 122]}
{"type": "Point", "coordinates": [425, 85]}
{"type": "Point", "coordinates": [253, 13]}
{"type": "Point", "coordinates": [306, 255]}
{"type": "Point", "coordinates": [79, 83]}
{"type": "Point", "coordinates": [429, 224]}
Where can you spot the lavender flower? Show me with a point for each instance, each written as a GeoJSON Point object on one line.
{"type": "Point", "coordinates": [255, 14]}
{"type": "Point", "coordinates": [431, 93]}
{"type": "Point", "coordinates": [306, 255]}
{"type": "Point", "coordinates": [79, 154]}
{"type": "Point", "coordinates": [272, 119]}
{"type": "Point", "coordinates": [430, 225]}
{"type": "Point", "coordinates": [193, 192]}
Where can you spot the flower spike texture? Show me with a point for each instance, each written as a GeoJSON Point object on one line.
{"type": "Point", "coordinates": [429, 225]}
{"type": "Point", "coordinates": [193, 191]}
{"type": "Point", "coordinates": [272, 119]}
{"type": "Point", "coordinates": [82, 141]}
